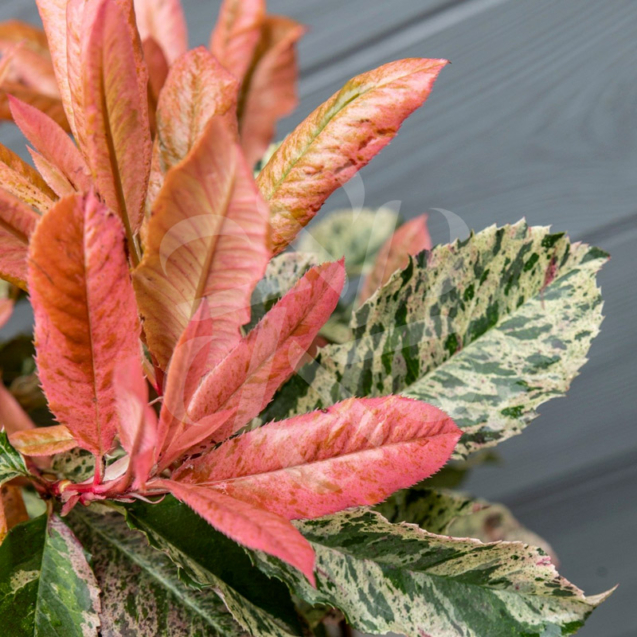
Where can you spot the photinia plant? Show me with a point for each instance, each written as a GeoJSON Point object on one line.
{"type": "Point", "coordinates": [231, 444]}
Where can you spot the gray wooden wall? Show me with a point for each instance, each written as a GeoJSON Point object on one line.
{"type": "Point", "coordinates": [537, 118]}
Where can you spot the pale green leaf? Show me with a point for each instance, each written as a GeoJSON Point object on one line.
{"type": "Point", "coordinates": [356, 235]}
{"type": "Point", "coordinates": [486, 329]}
{"type": "Point", "coordinates": [387, 577]}
{"type": "Point", "coordinates": [128, 569]}
{"type": "Point", "coordinates": [47, 587]}
{"type": "Point", "coordinates": [11, 462]}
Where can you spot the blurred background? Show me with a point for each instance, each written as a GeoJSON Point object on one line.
{"type": "Point", "coordinates": [536, 117]}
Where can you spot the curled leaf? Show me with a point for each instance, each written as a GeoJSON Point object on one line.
{"type": "Point", "coordinates": [338, 139]}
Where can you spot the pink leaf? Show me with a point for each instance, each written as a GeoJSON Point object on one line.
{"type": "Point", "coordinates": [251, 526]}
{"type": "Point", "coordinates": [197, 89]}
{"type": "Point", "coordinates": [357, 452]}
{"type": "Point", "coordinates": [237, 33]}
{"type": "Point", "coordinates": [270, 92]}
{"type": "Point", "coordinates": [410, 239]}
{"type": "Point", "coordinates": [17, 223]}
{"type": "Point", "coordinates": [117, 143]}
{"type": "Point", "coordinates": [52, 143]}
{"type": "Point", "coordinates": [6, 308]}
{"type": "Point", "coordinates": [245, 381]}
{"type": "Point", "coordinates": [338, 139]}
{"type": "Point", "coordinates": [206, 239]}
{"type": "Point", "coordinates": [85, 315]}
{"type": "Point", "coordinates": [164, 22]}
{"type": "Point", "coordinates": [188, 365]}
{"type": "Point", "coordinates": [137, 420]}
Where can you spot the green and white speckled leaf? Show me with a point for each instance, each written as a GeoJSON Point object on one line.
{"type": "Point", "coordinates": [46, 584]}
{"type": "Point", "coordinates": [431, 509]}
{"type": "Point", "coordinates": [208, 558]}
{"type": "Point", "coordinates": [128, 569]}
{"type": "Point", "coordinates": [356, 235]}
{"type": "Point", "coordinates": [486, 329]}
{"type": "Point", "coordinates": [11, 462]}
{"type": "Point", "coordinates": [450, 513]}
{"type": "Point", "coordinates": [76, 464]}
{"type": "Point", "coordinates": [397, 577]}
{"type": "Point", "coordinates": [282, 272]}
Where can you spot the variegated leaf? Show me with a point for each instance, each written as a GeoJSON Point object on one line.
{"type": "Point", "coordinates": [356, 235]}
{"type": "Point", "coordinates": [46, 581]}
{"type": "Point", "coordinates": [397, 577]}
{"type": "Point", "coordinates": [208, 558]}
{"type": "Point", "coordinates": [338, 139]}
{"type": "Point", "coordinates": [126, 568]}
{"type": "Point", "coordinates": [486, 329]}
{"type": "Point", "coordinates": [410, 239]}
{"type": "Point", "coordinates": [11, 462]}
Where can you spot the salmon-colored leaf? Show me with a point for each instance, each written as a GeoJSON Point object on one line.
{"type": "Point", "coordinates": [85, 315]}
{"type": "Point", "coordinates": [197, 89]}
{"type": "Point", "coordinates": [24, 182]}
{"type": "Point", "coordinates": [44, 441]}
{"type": "Point", "coordinates": [12, 509]}
{"type": "Point", "coordinates": [6, 306]}
{"type": "Point", "coordinates": [188, 365]}
{"type": "Point", "coordinates": [157, 75]}
{"type": "Point", "coordinates": [206, 239]}
{"type": "Point", "coordinates": [410, 239]}
{"type": "Point", "coordinates": [357, 452]}
{"type": "Point", "coordinates": [137, 420]}
{"type": "Point", "coordinates": [165, 23]}
{"type": "Point", "coordinates": [237, 33]}
{"type": "Point", "coordinates": [17, 223]}
{"type": "Point", "coordinates": [245, 381]}
{"type": "Point", "coordinates": [270, 91]}
{"type": "Point", "coordinates": [52, 106]}
{"type": "Point", "coordinates": [54, 178]}
{"type": "Point", "coordinates": [52, 143]}
{"type": "Point", "coordinates": [338, 139]}
{"type": "Point", "coordinates": [12, 417]}
{"type": "Point", "coordinates": [251, 526]}
{"type": "Point", "coordinates": [117, 141]}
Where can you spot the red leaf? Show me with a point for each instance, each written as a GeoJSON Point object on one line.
{"type": "Point", "coordinates": [357, 452]}
{"type": "Point", "coordinates": [85, 315]}
{"type": "Point", "coordinates": [410, 239]}
{"type": "Point", "coordinates": [206, 239]}
{"type": "Point", "coordinates": [270, 91]}
{"type": "Point", "coordinates": [117, 141]}
{"type": "Point", "coordinates": [52, 143]}
{"type": "Point", "coordinates": [251, 526]}
{"type": "Point", "coordinates": [338, 139]}
{"type": "Point", "coordinates": [245, 381]}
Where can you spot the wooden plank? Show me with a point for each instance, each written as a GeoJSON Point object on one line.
{"type": "Point", "coordinates": [590, 518]}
